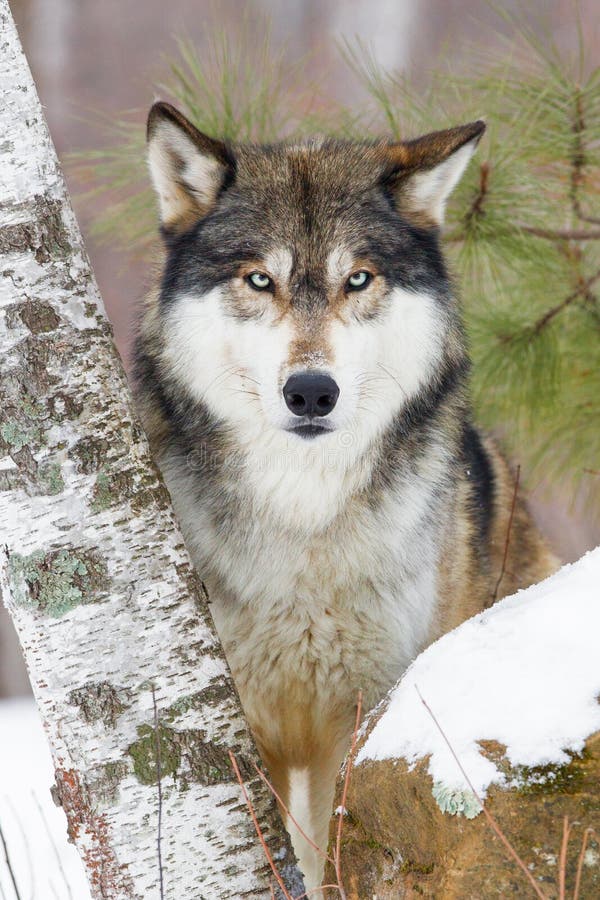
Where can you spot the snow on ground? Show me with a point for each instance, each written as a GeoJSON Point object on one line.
{"type": "Point", "coordinates": [46, 866]}
{"type": "Point", "coordinates": [525, 673]}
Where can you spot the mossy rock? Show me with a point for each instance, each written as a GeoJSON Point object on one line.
{"type": "Point", "coordinates": [397, 842]}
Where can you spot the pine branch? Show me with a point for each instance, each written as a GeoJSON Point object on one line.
{"type": "Point", "coordinates": [581, 290]}
{"type": "Point", "coordinates": [550, 234]}
{"type": "Point", "coordinates": [476, 210]}
{"type": "Point", "coordinates": [561, 234]}
{"type": "Point", "coordinates": [477, 205]}
{"type": "Point", "coordinates": [578, 162]}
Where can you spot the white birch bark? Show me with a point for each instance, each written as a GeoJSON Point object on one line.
{"type": "Point", "coordinates": [94, 571]}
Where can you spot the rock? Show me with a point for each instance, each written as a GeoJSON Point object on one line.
{"type": "Point", "coordinates": [515, 692]}
{"type": "Point", "coordinates": [397, 842]}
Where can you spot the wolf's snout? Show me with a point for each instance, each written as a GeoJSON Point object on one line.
{"type": "Point", "coordinates": [310, 394]}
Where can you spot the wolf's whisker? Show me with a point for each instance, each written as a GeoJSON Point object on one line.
{"type": "Point", "coordinates": [252, 394]}
{"type": "Point", "coordinates": [384, 369]}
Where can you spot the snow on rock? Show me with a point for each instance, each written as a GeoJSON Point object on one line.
{"type": "Point", "coordinates": [45, 865]}
{"type": "Point", "coordinates": [524, 673]}
{"type": "Point", "coordinates": [515, 691]}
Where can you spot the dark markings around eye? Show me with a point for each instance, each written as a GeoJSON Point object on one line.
{"type": "Point", "coordinates": [259, 281]}
{"type": "Point", "coordinates": [358, 281]}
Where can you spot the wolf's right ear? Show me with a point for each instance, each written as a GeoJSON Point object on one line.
{"type": "Point", "coordinates": [188, 168]}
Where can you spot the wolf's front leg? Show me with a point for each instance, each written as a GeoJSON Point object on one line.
{"type": "Point", "coordinates": [292, 787]}
{"type": "Point", "coordinates": [311, 804]}
{"type": "Point", "coordinates": [307, 794]}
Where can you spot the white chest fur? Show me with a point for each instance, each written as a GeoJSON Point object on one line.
{"type": "Point", "coordinates": [310, 616]}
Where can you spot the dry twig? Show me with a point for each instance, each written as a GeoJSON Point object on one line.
{"type": "Point", "coordinates": [52, 844]}
{"type": "Point", "coordinates": [586, 835]}
{"type": "Point", "coordinates": [258, 829]}
{"type": "Point", "coordinates": [507, 539]}
{"type": "Point", "coordinates": [562, 866]}
{"type": "Point", "coordinates": [27, 848]}
{"type": "Point", "coordinates": [338, 837]}
{"type": "Point", "coordinates": [489, 817]}
{"type": "Point", "coordinates": [9, 864]}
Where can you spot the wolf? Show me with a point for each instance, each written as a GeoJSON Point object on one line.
{"type": "Point", "coordinates": [301, 371]}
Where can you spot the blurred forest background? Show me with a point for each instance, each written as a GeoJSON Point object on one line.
{"type": "Point", "coordinates": [94, 60]}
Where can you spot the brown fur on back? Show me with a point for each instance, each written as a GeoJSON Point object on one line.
{"type": "Point", "coordinates": [517, 555]}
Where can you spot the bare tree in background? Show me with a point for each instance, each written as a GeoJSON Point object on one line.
{"type": "Point", "coordinates": [131, 682]}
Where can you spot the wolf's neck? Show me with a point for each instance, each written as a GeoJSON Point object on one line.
{"type": "Point", "coordinates": [306, 486]}
{"type": "Point", "coordinates": [303, 484]}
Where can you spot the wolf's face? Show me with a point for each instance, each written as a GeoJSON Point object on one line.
{"type": "Point", "coordinates": [304, 294]}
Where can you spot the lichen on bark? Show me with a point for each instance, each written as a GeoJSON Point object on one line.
{"type": "Point", "coordinates": [455, 802]}
{"type": "Point", "coordinates": [57, 582]}
{"type": "Point", "coordinates": [101, 702]}
{"type": "Point", "coordinates": [214, 694]}
{"type": "Point", "coordinates": [22, 428]}
{"type": "Point", "coordinates": [50, 478]}
{"type": "Point", "coordinates": [104, 782]}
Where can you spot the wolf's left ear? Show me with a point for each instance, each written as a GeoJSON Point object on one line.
{"type": "Point", "coordinates": [422, 173]}
{"type": "Point", "coordinates": [188, 168]}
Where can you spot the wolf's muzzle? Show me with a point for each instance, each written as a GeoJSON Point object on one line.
{"type": "Point", "coordinates": [310, 394]}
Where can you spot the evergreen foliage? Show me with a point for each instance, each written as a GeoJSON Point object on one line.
{"type": "Point", "coordinates": [523, 230]}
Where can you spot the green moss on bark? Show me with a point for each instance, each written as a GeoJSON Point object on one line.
{"type": "Point", "coordinates": [218, 692]}
{"type": "Point", "coordinates": [103, 494]}
{"type": "Point", "coordinates": [185, 755]}
{"type": "Point", "coordinates": [553, 779]}
{"type": "Point", "coordinates": [155, 748]}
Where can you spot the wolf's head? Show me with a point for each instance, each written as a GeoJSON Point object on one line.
{"type": "Point", "coordinates": [304, 293]}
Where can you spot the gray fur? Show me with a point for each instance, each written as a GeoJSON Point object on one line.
{"type": "Point", "coordinates": [326, 561]}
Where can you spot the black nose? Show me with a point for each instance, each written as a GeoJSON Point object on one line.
{"type": "Point", "coordinates": [310, 394]}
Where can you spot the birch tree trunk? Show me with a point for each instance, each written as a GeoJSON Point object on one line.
{"type": "Point", "coordinates": [131, 682]}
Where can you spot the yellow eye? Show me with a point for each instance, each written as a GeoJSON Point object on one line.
{"type": "Point", "coordinates": [358, 280]}
{"type": "Point", "coordinates": [259, 281]}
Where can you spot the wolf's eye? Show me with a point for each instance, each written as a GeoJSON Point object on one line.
{"type": "Point", "coordinates": [259, 281]}
{"type": "Point", "coordinates": [358, 281]}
